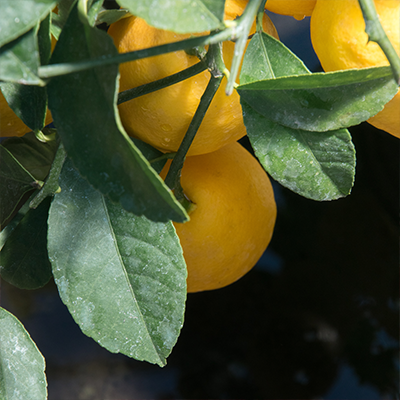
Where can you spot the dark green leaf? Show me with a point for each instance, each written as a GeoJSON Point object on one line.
{"type": "Point", "coordinates": [122, 277]}
{"type": "Point", "coordinates": [15, 183]}
{"type": "Point", "coordinates": [316, 102]}
{"type": "Point", "coordinates": [19, 16]}
{"type": "Point", "coordinates": [17, 218]}
{"type": "Point", "coordinates": [23, 260]}
{"type": "Point", "coordinates": [316, 165]}
{"type": "Point", "coordinates": [84, 109]}
{"type": "Point", "coordinates": [51, 186]}
{"type": "Point", "coordinates": [35, 156]}
{"type": "Point", "coordinates": [28, 102]}
{"type": "Point", "coordinates": [181, 16]}
{"type": "Point", "coordinates": [19, 60]}
{"type": "Point", "coordinates": [151, 154]}
{"type": "Point", "coordinates": [58, 20]}
{"type": "Point", "coordinates": [21, 364]}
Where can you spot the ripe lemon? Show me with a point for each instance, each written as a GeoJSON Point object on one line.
{"type": "Point", "coordinates": [161, 118]}
{"type": "Point", "coordinates": [233, 218]}
{"type": "Point", "coordinates": [296, 8]}
{"type": "Point", "coordinates": [10, 123]}
{"type": "Point", "coordinates": [340, 42]}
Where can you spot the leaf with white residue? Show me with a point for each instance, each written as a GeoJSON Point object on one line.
{"type": "Point", "coordinates": [122, 277]}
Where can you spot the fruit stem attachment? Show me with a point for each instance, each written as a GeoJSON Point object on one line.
{"type": "Point", "coordinates": [162, 83]}
{"type": "Point", "coordinates": [172, 179]}
{"type": "Point", "coordinates": [376, 33]}
{"type": "Point", "coordinates": [244, 23]}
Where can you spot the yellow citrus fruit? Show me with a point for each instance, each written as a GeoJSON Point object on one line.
{"type": "Point", "coordinates": [10, 123]}
{"type": "Point", "coordinates": [340, 42]}
{"type": "Point", "coordinates": [233, 218]}
{"type": "Point", "coordinates": [161, 118]}
{"type": "Point", "coordinates": [296, 8]}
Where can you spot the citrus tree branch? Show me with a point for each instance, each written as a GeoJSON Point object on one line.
{"type": "Point", "coordinates": [377, 34]}
{"type": "Point", "coordinates": [162, 83]}
{"type": "Point", "coordinates": [172, 179]}
{"type": "Point", "coordinates": [53, 70]}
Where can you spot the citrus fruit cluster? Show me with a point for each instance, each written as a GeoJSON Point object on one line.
{"type": "Point", "coordinates": [233, 210]}
{"type": "Point", "coordinates": [340, 42]}
{"type": "Point", "coordinates": [161, 118]}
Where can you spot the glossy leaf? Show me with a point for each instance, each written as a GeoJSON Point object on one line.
{"type": "Point", "coordinates": [23, 260]}
{"type": "Point", "coordinates": [84, 109]}
{"type": "Point", "coordinates": [181, 16]}
{"type": "Point", "coordinates": [15, 183]}
{"type": "Point", "coordinates": [21, 364]}
{"type": "Point", "coordinates": [320, 101]}
{"type": "Point", "coordinates": [122, 277]}
{"type": "Point", "coordinates": [19, 16]}
{"type": "Point", "coordinates": [19, 60]}
{"type": "Point", "coordinates": [316, 165]}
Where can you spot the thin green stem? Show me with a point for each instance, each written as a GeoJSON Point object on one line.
{"type": "Point", "coordinates": [243, 28]}
{"type": "Point", "coordinates": [52, 70]}
{"type": "Point", "coordinates": [377, 34]}
{"type": "Point", "coordinates": [260, 16]}
{"type": "Point", "coordinates": [172, 179]}
{"type": "Point", "coordinates": [162, 83]}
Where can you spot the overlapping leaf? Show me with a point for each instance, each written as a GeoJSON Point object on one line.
{"type": "Point", "coordinates": [317, 165]}
{"type": "Point", "coordinates": [122, 277]}
{"type": "Point", "coordinates": [181, 16]}
{"type": "Point", "coordinates": [19, 16]}
{"type": "Point", "coordinates": [21, 364]}
{"type": "Point", "coordinates": [23, 260]}
{"type": "Point", "coordinates": [84, 109]}
{"type": "Point", "coordinates": [315, 102]}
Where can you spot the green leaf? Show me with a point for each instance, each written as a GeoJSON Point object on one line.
{"type": "Point", "coordinates": [28, 102]}
{"type": "Point", "coordinates": [84, 109]}
{"type": "Point", "coordinates": [19, 60]}
{"type": "Point", "coordinates": [19, 16]}
{"type": "Point", "coordinates": [35, 156]}
{"type": "Point", "coordinates": [181, 16]}
{"type": "Point", "coordinates": [51, 186]}
{"type": "Point", "coordinates": [21, 364]}
{"type": "Point", "coordinates": [316, 165]}
{"type": "Point", "coordinates": [23, 260]}
{"type": "Point", "coordinates": [316, 102]}
{"type": "Point", "coordinates": [110, 16]}
{"type": "Point", "coordinates": [268, 58]}
{"type": "Point", "coordinates": [122, 277]}
{"type": "Point", "coordinates": [15, 183]}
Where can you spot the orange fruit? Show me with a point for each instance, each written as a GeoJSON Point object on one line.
{"type": "Point", "coordinates": [10, 123]}
{"type": "Point", "coordinates": [233, 218]}
{"type": "Point", "coordinates": [161, 118]}
{"type": "Point", "coordinates": [340, 42]}
{"type": "Point", "coordinates": [296, 8]}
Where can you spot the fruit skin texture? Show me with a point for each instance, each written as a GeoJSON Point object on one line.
{"type": "Point", "coordinates": [161, 118]}
{"type": "Point", "coordinates": [10, 123]}
{"type": "Point", "coordinates": [233, 219]}
{"type": "Point", "coordinates": [340, 41]}
{"type": "Point", "coordinates": [296, 8]}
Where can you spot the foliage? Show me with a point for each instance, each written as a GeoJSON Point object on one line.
{"type": "Point", "coordinates": [86, 200]}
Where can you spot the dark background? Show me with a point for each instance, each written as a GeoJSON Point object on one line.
{"type": "Point", "coordinates": [318, 317]}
